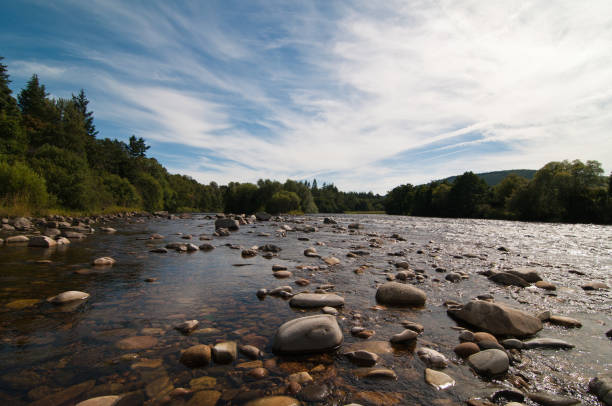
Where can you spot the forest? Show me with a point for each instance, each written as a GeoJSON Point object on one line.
{"type": "Point", "coordinates": [53, 160]}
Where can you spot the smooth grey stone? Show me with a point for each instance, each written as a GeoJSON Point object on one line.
{"type": "Point", "coordinates": [309, 334]}
{"type": "Point", "coordinates": [547, 343]}
{"type": "Point", "coordinates": [310, 300]}
{"type": "Point", "coordinates": [489, 362]}
{"type": "Point", "coordinates": [551, 399]}
{"type": "Point", "coordinates": [399, 294]}
{"type": "Point", "coordinates": [432, 357]}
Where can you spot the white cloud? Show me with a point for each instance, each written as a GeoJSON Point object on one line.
{"type": "Point", "coordinates": [339, 93]}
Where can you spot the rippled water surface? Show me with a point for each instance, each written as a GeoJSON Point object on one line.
{"type": "Point", "coordinates": [45, 349]}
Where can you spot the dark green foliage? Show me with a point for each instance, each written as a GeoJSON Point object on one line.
{"type": "Point", "coordinates": [283, 202]}
{"type": "Point", "coordinates": [8, 104]}
{"type": "Point", "coordinates": [119, 191]}
{"type": "Point", "coordinates": [20, 185]}
{"type": "Point", "coordinates": [137, 147]}
{"type": "Point", "coordinates": [81, 102]}
{"type": "Point", "coordinates": [493, 178]}
{"type": "Point", "coordinates": [466, 197]}
{"type": "Point", "coordinates": [150, 191]}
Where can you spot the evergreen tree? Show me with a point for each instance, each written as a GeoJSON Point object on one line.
{"type": "Point", "coordinates": [8, 105]}
{"type": "Point", "coordinates": [137, 147]}
{"type": "Point", "coordinates": [33, 99]}
{"type": "Point", "coordinates": [81, 103]}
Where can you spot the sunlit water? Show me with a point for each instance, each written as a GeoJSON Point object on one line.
{"type": "Point", "coordinates": [45, 349]}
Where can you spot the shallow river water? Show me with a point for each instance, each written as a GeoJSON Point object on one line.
{"type": "Point", "coordinates": [52, 355]}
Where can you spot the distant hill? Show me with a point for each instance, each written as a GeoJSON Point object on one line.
{"type": "Point", "coordinates": [493, 178]}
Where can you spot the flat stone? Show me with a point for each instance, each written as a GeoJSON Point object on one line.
{"type": "Point", "coordinates": [545, 285]}
{"type": "Point", "coordinates": [601, 386]}
{"type": "Point", "coordinates": [414, 326]}
{"type": "Point", "coordinates": [497, 318]}
{"type": "Point", "coordinates": [310, 300]}
{"type": "Point", "coordinates": [564, 321]}
{"type": "Point", "coordinates": [196, 356]}
{"type": "Point", "coordinates": [66, 395]}
{"type": "Point", "coordinates": [363, 358]}
{"type": "Point", "coordinates": [384, 373]}
{"type": "Point", "coordinates": [300, 377]}
{"type": "Point", "coordinates": [331, 261]}
{"type": "Point", "coordinates": [282, 274]}
{"type": "Point", "coordinates": [438, 380]}
{"type": "Point", "coordinates": [21, 303]}
{"type": "Point", "coordinates": [201, 383]}
{"type": "Point", "coordinates": [595, 286]}
{"type": "Point", "coordinates": [508, 279]}
{"type": "Point", "coordinates": [308, 334]}
{"type": "Point", "coordinates": [378, 398]}
{"type": "Point", "coordinates": [550, 399]}
{"type": "Point", "coordinates": [512, 343]}
{"type": "Point", "coordinates": [399, 294]}
{"type": "Point", "coordinates": [432, 358]}
{"type": "Point", "coordinates": [274, 401]}
{"type": "Point", "coordinates": [16, 239]}
{"type": "Point", "coordinates": [136, 343]}
{"type": "Point", "coordinates": [103, 261]}
{"type": "Point", "coordinates": [187, 326]}
{"type": "Point", "coordinates": [101, 401]}
{"type": "Point", "coordinates": [546, 343]}
{"type": "Point", "coordinates": [68, 296]}
{"type": "Point", "coordinates": [250, 351]}
{"type": "Point", "coordinates": [489, 362]}
{"type": "Point", "coordinates": [528, 274]}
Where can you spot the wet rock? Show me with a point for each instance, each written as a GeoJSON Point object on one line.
{"type": "Point", "coordinates": [550, 399]}
{"type": "Point", "coordinates": [489, 362]}
{"type": "Point", "coordinates": [301, 377]}
{"type": "Point", "coordinates": [330, 310]}
{"type": "Point", "coordinates": [206, 247]}
{"type": "Point", "coordinates": [482, 336]}
{"type": "Point", "coordinates": [329, 220]}
{"type": "Point", "coordinates": [363, 333]}
{"type": "Point", "coordinates": [156, 237]}
{"type": "Point", "coordinates": [311, 300]}
{"type": "Point", "coordinates": [508, 279]}
{"type": "Point", "coordinates": [302, 282]}
{"type": "Point", "coordinates": [282, 274]}
{"type": "Point", "coordinates": [546, 343]}
{"type": "Point", "coordinates": [378, 398]}
{"type": "Point", "coordinates": [512, 343]}
{"type": "Point", "coordinates": [196, 356]}
{"type": "Point", "coordinates": [222, 232]}
{"type": "Point", "coordinates": [399, 294]}
{"type": "Point", "coordinates": [250, 351]}
{"type": "Point", "coordinates": [279, 290]}
{"type": "Point", "coordinates": [65, 395]}
{"type": "Point", "coordinates": [278, 268]}
{"type": "Point", "coordinates": [489, 345]}
{"type": "Point", "coordinates": [405, 336]}
{"type": "Point", "coordinates": [308, 334]}
{"type": "Point", "coordinates": [497, 318]}
{"type": "Point", "coordinates": [274, 401]}
{"type": "Point", "coordinates": [100, 401]}
{"type": "Point", "coordinates": [22, 223]}
{"type": "Point", "coordinates": [479, 402]}
{"type": "Point", "coordinates": [311, 252]}
{"type": "Point", "coordinates": [136, 343]}
{"type": "Point", "coordinates": [384, 373]}
{"type": "Point", "coordinates": [544, 316]}
{"type": "Point", "coordinates": [331, 261]}
{"type": "Point", "coordinates": [41, 241]}
{"type": "Point", "coordinates": [595, 286]}
{"type": "Point", "coordinates": [527, 274]}
{"type": "Point", "coordinates": [467, 336]}
{"type": "Point", "coordinates": [270, 248]}
{"type": "Point", "coordinates": [466, 349]}
{"type": "Point", "coordinates": [249, 253]}
{"type": "Point", "coordinates": [601, 386]}
{"type": "Point", "coordinates": [438, 380]}
{"type": "Point", "coordinates": [414, 326]}
{"type": "Point", "coordinates": [263, 216]}
{"type": "Point", "coordinates": [205, 398]}
{"type": "Point", "coordinates": [103, 261]}
{"type": "Point", "coordinates": [188, 326]}
{"type": "Point", "coordinates": [160, 250]}
{"type": "Point", "coordinates": [453, 277]}
{"type": "Point", "coordinates": [227, 223]}
{"type": "Point", "coordinates": [16, 239]}
{"type": "Point", "coordinates": [363, 358]}
{"type": "Point", "coordinates": [508, 395]}
{"type": "Point", "coordinates": [62, 241]}
{"type": "Point", "coordinates": [261, 293]}
{"type": "Point", "coordinates": [191, 247]}
{"type": "Point", "coordinates": [225, 353]}
{"type": "Point", "coordinates": [564, 321]}
{"type": "Point", "coordinates": [201, 383]}
{"type": "Point", "coordinates": [432, 358]}
{"type": "Point", "coordinates": [354, 226]}
{"type": "Point", "coordinates": [545, 285]}
{"type": "Point", "coordinates": [21, 303]}
{"type": "Point", "coordinates": [68, 296]}
{"type": "Point", "coordinates": [609, 333]}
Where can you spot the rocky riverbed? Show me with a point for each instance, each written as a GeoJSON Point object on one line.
{"type": "Point", "coordinates": [349, 309]}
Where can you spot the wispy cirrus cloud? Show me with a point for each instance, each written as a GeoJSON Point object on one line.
{"type": "Point", "coordinates": [365, 95]}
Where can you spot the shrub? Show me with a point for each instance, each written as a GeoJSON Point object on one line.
{"type": "Point", "coordinates": [283, 202]}
{"type": "Point", "coordinates": [20, 185]}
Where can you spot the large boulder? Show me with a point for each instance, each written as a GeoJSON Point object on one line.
{"type": "Point", "coordinates": [528, 274]}
{"type": "Point", "coordinates": [509, 279]}
{"type": "Point", "coordinates": [41, 241]}
{"type": "Point", "coordinates": [310, 300]}
{"type": "Point", "coordinates": [263, 216]}
{"type": "Point", "coordinates": [309, 334]}
{"type": "Point", "coordinates": [230, 224]}
{"type": "Point", "coordinates": [399, 294]}
{"type": "Point", "coordinates": [497, 318]}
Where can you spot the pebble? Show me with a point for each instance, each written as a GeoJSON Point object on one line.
{"type": "Point", "coordinates": [545, 285]}
{"type": "Point", "coordinates": [482, 336]}
{"type": "Point", "coordinates": [432, 358]}
{"type": "Point", "coordinates": [188, 326]}
{"type": "Point", "coordinates": [311, 300]}
{"type": "Point", "coordinates": [206, 247]}
{"type": "Point", "coordinates": [399, 294]}
{"type": "Point", "coordinates": [41, 241]}
{"type": "Point", "coordinates": [103, 261]}
{"type": "Point", "coordinates": [601, 386]}
{"type": "Point", "coordinates": [414, 326]}
{"type": "Point", "coordinates": [564, 321]}
{"type": "Point", "coordinates": [512, 343]}
{"type": "Point", "coordinates": [438, 380]}
{"type": "Point", "coordinates": [595, 286]}
{"type": "Point", "coordinates": [363, 358]}
{"type": "Point", "coordinates": [330, 310]}
{"type": "Point", "coordinates": [225, 353]}
{"type": "Point", "coordinates": [261, 293]}
{"type": "Point", "coordinates": [381, 373]}
{"type": "Point", "coordinates": [331, 261]}
{"type": "Point", "coordinates": [404, 337]}
{"type": "Point", "coordinates": [250, 351]}
{"type": "Point", "coordinates": [547, 343]}
{"type": "Point", "coordinates": [282, 274]}
{"type": "Point", "coordinates": [68, 296]}
{"type": "Point", "coordinates": [300, 377]}
{"type": "Point", "coordinates": [466, 349]}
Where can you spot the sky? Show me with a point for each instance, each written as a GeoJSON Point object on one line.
{"type": "Point", "coordinates": [366, 95]}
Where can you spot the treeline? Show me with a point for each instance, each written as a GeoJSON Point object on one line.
{"type": "Point", "coordinates": [573, 192]}
{"type": "Point", "coordinates": [51, 157]}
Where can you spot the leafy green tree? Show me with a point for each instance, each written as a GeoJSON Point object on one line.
{"type": "Point", "coordinates": [307, 204]}
{"type": "Point", "coordinates": [150, 190]}
{"type": "Point", "coordinates": [241, 198]}
{"type": "Point", "coordinates": [20, 185]}
{"type": "Point", "coordinates": [81, 103]}
{"type": "Point", "coordinates": [283, 202]}
{"type": "Point", "coordinates": [466, 196]}
{"type": "Point", "coordinates": [67, 176]}
{"type": "Point", "coordinates": [120, 191]}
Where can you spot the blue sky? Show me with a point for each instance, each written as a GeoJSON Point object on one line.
{"type": "Point", "coordinates": [365, 95]}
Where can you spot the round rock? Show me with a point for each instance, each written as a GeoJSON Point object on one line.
{"type": "Point", "coordinates": [196, 356]}
{"type": "Point", "coordinates": [399, 294]}
{"type": "Point", "coordinates": [309, 334]}
{"type": "Point", "coordinates": [489, 362]}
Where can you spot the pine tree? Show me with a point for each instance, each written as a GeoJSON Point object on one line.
{"type": "Point", "coordinates": [81, 102]}
{"type": "Point", "coordinates": [33, 99]}
{"type": "Point", "coordinates": [7, 101]}
{"type": "Point", "coordinates": [137, 147]}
